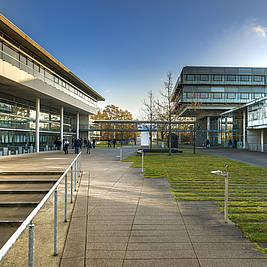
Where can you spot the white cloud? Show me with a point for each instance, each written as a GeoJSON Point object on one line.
{"type": "Point", "coordinates": [260, 30]}
{"type": "Point", "coordinates": [107, 91]}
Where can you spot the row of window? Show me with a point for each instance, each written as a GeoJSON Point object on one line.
{"type": "Point", "coordinates": [259, 114]}
{"type": "Point", "coordinates": [28, 65]}
{"type": "Point", "coordinates": [229, 78]}
{"type": "Point", "coordinates": [224, 95]}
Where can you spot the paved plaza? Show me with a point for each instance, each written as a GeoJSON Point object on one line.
{"type": "Point", "coordinates": [122, 219]}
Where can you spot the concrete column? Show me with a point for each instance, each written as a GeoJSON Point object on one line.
{"type": "Point", "coordinates": [78, 125]}
{"type": "Point", "coordinates": [244, 129]}
{"type": "Point", "coordinates": [219, 131]}
{"type": "Point", "coordinates": [61, 125]}
{"type": "Point", "coordinates": [37, 125]}
{"type": "Point", "coordinates": [208, 128]}
{"type": "Point", "coordinates": [262, 140]}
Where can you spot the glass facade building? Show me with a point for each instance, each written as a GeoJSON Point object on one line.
{"type": "Point", "coordinates": [40, 99]}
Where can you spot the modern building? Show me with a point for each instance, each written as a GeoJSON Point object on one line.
{"type": "Point", "coordinates": [207, 92]}
{"type": "Point", "coordinates": [40, 99]}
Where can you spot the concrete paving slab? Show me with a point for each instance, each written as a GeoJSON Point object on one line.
{"type": "Point", "coordinates": [132, 221]}
{"type": "Point", "coordinates": [233, 262]}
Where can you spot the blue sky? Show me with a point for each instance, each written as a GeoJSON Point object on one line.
{"type": "Point", "coordinates": [124, 48]}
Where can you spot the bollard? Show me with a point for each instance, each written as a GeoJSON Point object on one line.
{"type": "Point", "coordinates": [142, 161]}
{"type": "Point", "coordinates": [66, 197]}
{"type": "Point", "coordinates": [120, 153]}
{"type": "Point", "coordinates": [31, 245]}
{"type": "Point", "coordinates": [226, 195]}
{"type": "Point", "coordinates": [71, 184]}
{"type": "Point", "coordinates": [55, 224]}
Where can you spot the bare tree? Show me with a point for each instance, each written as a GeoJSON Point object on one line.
{"type": "Point", "coordinates": [164, 106]}
{"type": "Point", "coordinates": [149, 114]}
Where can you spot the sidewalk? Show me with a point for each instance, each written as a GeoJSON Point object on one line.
{"type": "Point", "coordinates": [122, 219]}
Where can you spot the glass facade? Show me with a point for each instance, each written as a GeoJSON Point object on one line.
{"type": "Point", "coordinates": [17, 128]}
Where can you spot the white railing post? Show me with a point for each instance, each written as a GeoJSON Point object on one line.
{"type": "Point", "coordinates": [31, 245]}
{"type": "Point", "coordinates": [55, 224]}
{"type": "Point", "coordinates": [66, 197]}
{"type": "Point", "coordinates": [75, 172]}
{"type": "Point", "coordinates": [226, 196]}
{"type": "Point", "coordinates": [71, 184]}
{"type": "Point", "coordinates": [142, 160]}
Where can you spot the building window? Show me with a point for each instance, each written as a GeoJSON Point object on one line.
{"type": "Point", "coordinates": [189, 77]}
{"type": "Point", "coordinates": [231, 95]}
{"type": "Point", "coordinates": [189, 95]}
{"type": "Point", "coordinates": [257, 78]}
{"type": "Point", "coordinates": [56, 79]}
{"type": "Point", "coordinates": [204, 95]}
{"type": "Point", "coordinates": [257, 95]}
{"type": "Point", "coordinates": [231, 77]}
{"type": "Point", "coordinates": [217, 77]}
{"type": "Point", "coordinates": [244, 95]}
{"type": "Point", "coordinates": [204, 77]}
{"type": "Point", "coordinates": [217, 95]}
{"type": "Point", "coordinates": [244, 78]}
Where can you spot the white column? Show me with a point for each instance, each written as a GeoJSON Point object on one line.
{"type": "Point", "coordinates": [78, 125]}
{"type": "Point", "coordinates": [37, 125]}
{"type": "Point", "coordinates": [262, 140]}
{"type": "Point", "coordinates": [208, 128]}
{"type": "Point", "coordinates": [244, 128]}
{"type": "Point", "coordinates": [219, 131]}
{"type": "Point", "coordinates": [61, 125]}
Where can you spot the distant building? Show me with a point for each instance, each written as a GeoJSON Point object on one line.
{"type": "Point", "coordinates": [206, 92]}
{"type": "Point", "coordinates": [40, 99]}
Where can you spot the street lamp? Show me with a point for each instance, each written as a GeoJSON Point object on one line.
{"type": "Point", "coordinates": [226, 175]}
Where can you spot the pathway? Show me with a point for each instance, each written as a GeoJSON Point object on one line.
{"type": "Point", "coordinates": [122, 219]}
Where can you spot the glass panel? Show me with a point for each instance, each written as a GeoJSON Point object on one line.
{"type": "Point", "coordinates": [257, 78]}
{"type": "Point", "coordinates": [230, 95]}
{"type": "Point", "coordinates": [217, 77]}
{"type": "Point", "coordinates": [204, 77]}
{"type": "Point", "coordinates": [244, 95]}
{"type": "Point", "coordinates": [244, 78]}
{"type": "Point", "coordinates": [204, 95]}
{"type": "Point", "coordinates": [217, 95]}
{"type": "Point", "coordinates": [231, 77]}
{"type": "Point", "coordinates": [189, 77]}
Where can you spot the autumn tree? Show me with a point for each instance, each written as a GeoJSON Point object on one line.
{"type": "Point", "coordinates": [111, 112]}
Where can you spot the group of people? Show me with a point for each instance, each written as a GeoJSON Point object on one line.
{"type": "Point", "coordinates": [113, 143]}
{"type": "Point", "coordinates": [77, 144]}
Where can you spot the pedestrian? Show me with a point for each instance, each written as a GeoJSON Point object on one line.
{"type": "Point", "coordinates": [114, 142]}
{"type": "Point", "coordinates": [89, 146]}
{"type": "Point", "coordinates": [66, 146]}
{"type": "Point", "coordinates": [57, 143]}
{"type": "Point", "coordinates": [76, 145]}
{"type": "Point", "coordinates": [93, 143]}
{"type": "Point", "coordinates": [85, 142]}
{"type": "Point", "coordinates": [208, 143]}
{"type": "Point", "coordinates": [109, 143]}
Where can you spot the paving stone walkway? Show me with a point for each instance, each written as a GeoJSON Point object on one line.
{"type": "Point", "coordinates": [122, 219]}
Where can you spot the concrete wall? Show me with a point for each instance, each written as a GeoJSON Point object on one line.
{"type": "Point", "coordinates": [13, 73]}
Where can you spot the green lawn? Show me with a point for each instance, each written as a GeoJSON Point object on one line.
{"type": "Point", "coordinates": [190, 178]}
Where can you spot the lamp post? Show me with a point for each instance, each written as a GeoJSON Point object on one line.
{"type": "Point", "coordinates": [226, 175]}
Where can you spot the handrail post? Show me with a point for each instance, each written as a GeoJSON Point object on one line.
{"type": "Point", "coordinates": [80, 165]}
{"type": "Point", "coordinates": [142, 160]}
{"type": "Point", "coordinates": [75, 172]}
{"type": "Point", "coordinates": [66, 197]}
{"type": "Point", "coordinates": [55, 223]}
{"type": "Point", "coordinates": [226, 196]}
{"type": "Point", "coordinates": [71, 184]}
{"type": "Point", "coordinates": [31, 245]}
{"type": "Point", "coordinates": [120, 153]}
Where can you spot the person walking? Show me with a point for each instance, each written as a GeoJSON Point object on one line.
{"type": "Point", "coordinates": [109, 143]}
{"type": "Point", "coordinates": [88, 146]}
{"type": "Point", "coordinates": [114, 142]}
{"type": "Point", "coordinates": [93, 144]}
{"type": "Point", "coordinates": [66, 146]}
{"type": "Point", "coordinates": [58, 143]}
{"type": "Point", "coordinates": [76, 145]}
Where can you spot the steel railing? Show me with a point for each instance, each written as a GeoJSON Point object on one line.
{"type": "Point", "coordinates": [75, 172]}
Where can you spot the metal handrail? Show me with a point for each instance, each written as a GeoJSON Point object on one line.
{"type": "Point", "coordinates": [12, 240]}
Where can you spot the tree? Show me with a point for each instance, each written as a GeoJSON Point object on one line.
{"type": "Point", "coordinates": [149, 114]}
{"type": "Point", "coordinates": [111, 112]}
